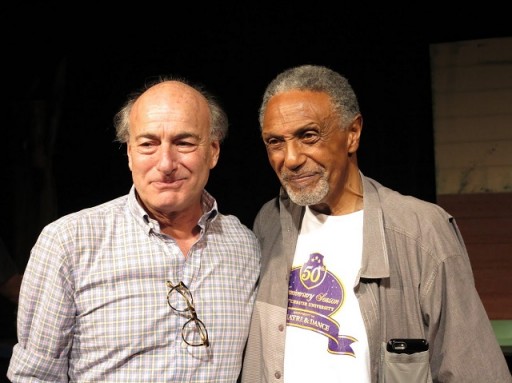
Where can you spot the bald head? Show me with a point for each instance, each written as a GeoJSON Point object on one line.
{"type": "Point", "coordinates": [171, 101]}
{"type": "Point", "coordinates": [169, 93]}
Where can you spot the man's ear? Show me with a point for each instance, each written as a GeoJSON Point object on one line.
{"type": "Point", "coordinates": [214, 153]}
{"type": "Point", "coordinates": [354, 134]}
{"type": "Point", "coordinates": [129, 156]}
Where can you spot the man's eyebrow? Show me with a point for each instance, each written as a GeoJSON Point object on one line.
{"type": "Point", "coordinates": [145, 135]}
{"type": "Point", "coordinates": [179, 136]}
{"type": "Point", "coordinates": [185, 135]}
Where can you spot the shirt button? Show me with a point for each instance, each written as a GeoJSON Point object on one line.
{"type": "Point", "coordinates": [277, 375]}
{"type": "Point", "coordinates": [280, 328]}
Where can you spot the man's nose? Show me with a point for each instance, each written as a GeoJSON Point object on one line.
{"type": "Point", "coordinates": [293, 154]}
{"type": "Point", "coordinates": [167, 159]}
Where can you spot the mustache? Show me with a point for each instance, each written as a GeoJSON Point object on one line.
{"type": "Point", "coordinates": [290, 175]}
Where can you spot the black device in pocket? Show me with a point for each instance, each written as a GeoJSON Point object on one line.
{"type": "Point", "coordinates": [407, 345]}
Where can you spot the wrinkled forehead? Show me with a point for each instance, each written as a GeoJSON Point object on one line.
{"type": "Point", "coordinates": [290, 106]}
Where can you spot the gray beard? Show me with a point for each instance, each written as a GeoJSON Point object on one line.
{"type": "Point", "coordinates": [308, 196]}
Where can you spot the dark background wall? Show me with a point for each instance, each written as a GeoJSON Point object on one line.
{"type": "Point", "coordinates": [66, 71]}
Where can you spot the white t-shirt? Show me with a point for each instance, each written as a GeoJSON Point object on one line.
{"type": "Point", "coordinates": [326, 339]}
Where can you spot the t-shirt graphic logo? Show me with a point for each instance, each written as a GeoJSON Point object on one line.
{"type": "Point", "coordinates": [314, 295]}
{"type": "Point", "coordinates": [313, 272]}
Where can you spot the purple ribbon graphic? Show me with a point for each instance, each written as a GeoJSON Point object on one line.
{"type": "Point", "coordinates": [314, 296]}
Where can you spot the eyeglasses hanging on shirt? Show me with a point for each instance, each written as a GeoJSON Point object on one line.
{"type": "Point", "coordinates": [194, 331]}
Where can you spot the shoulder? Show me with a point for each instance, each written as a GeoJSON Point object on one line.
{"type": "Point", "coordinates": [268, 212]}
{"type": "Point", "coordinates": [268, 209]}
{"type": "Point", "coordinates": [395, 204]}
{"type": "Point", "coordinates": [410, 217]}
{"type": "Point", "coordinates": [94, 217]}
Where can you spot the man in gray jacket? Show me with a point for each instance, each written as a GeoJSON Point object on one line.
{"type": "Point", "coordinates": [348, 264]}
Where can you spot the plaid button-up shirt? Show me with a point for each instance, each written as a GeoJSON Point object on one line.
{"type": "Point", "coordinates": [93, 304]}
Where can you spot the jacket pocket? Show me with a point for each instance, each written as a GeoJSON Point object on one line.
{"type": "Point", "coordinates": [404, 368]}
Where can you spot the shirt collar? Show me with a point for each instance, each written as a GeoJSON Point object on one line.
{"type": "Point", "coordinates": [209, 205]}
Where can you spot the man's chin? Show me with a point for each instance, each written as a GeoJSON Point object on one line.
{"type": "Point", "coordinates": [303, 197]}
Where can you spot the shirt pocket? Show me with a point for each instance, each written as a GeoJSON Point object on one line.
{"type": "Point", "coordinates": [404, 368]}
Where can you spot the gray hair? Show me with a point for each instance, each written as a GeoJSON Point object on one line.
{"type": "Point", "coordinates": [315, 78]}
{"type": "Point", "coordinates": [218, 117]}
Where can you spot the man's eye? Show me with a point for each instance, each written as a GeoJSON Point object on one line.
{"type": "Point", "coordinates": [309, 137]}
{"type": "Point", "coordinates": [273, 142]}
{"type": "Point", "coordinates": [186, 146]}
{"type": "Point", "coordinates": [147, 144]}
